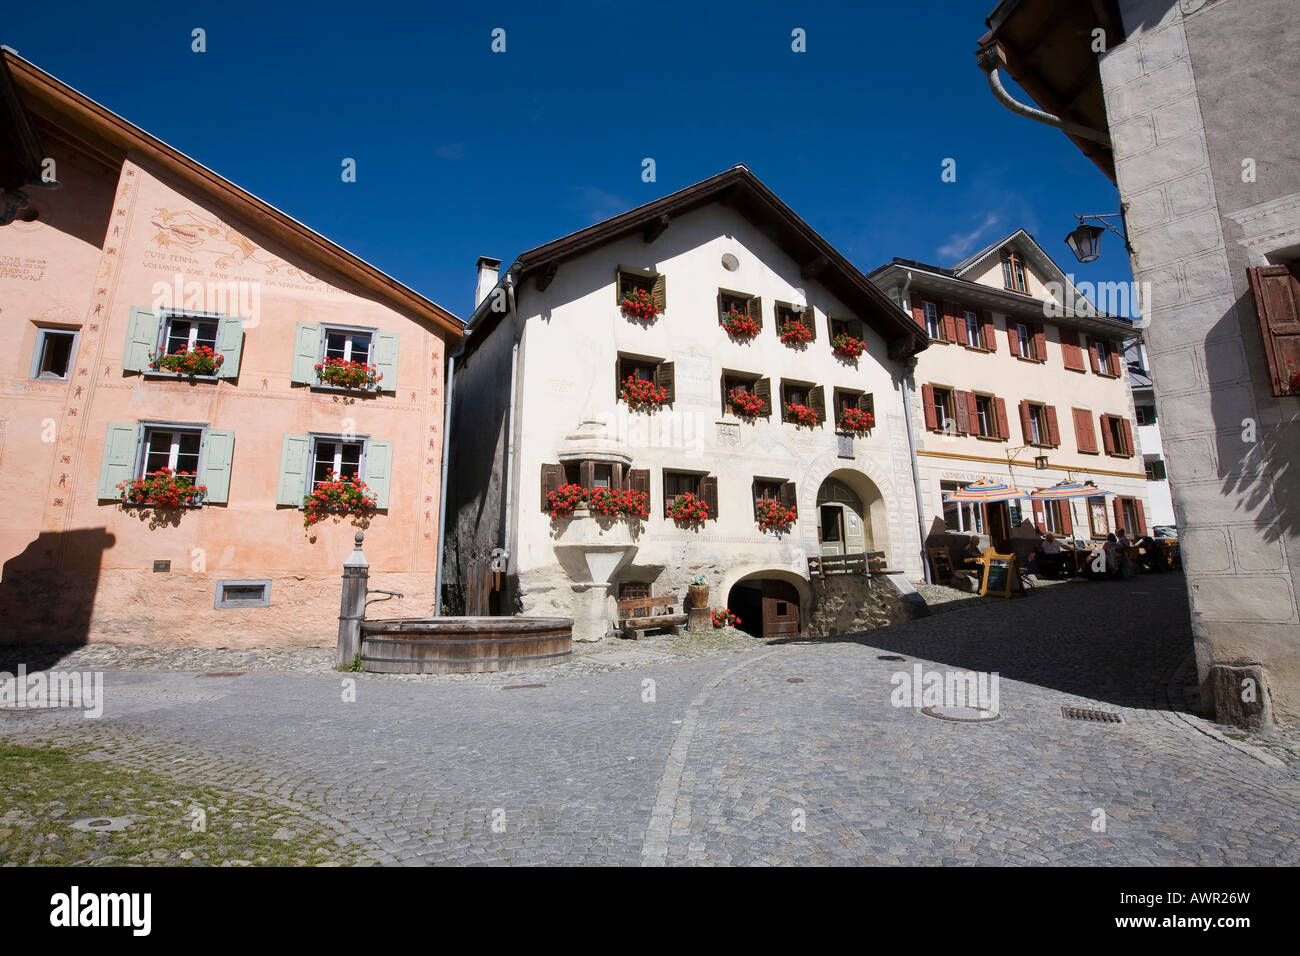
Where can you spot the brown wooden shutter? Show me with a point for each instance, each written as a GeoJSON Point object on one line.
{"type": "Point", "coordinates": [927, 406]}
{"type": "Point", "coordinates": [1067, 523]}
{"type": "Point", "coordinates": [961, 411]}
{"type": "Point", "coordinates": [709, 492]}
{"type": "Point", "coordinates": [1000, 408]}
{"type": "Point", "coordinates": [1106, 440]}
{"type": "Point", "coordinates": [638, 479]}
{"type": "Point", "coordinates": [990, 332]}
{"type": "Point", "coordinates": [807, 318]}
{"type": "Point", "coordinates": [1118, 505]}
{"type": "Point", "coordinates": [973, 410]}
{"type": "Point", "coordinates": [1112, 359]}
{"type": "Point", "coordinates": [1040, 343]}
{"type": "Point", "coordinates": [587, 473]}
{"type": "Point", "coordinates": [1128, 437]}
{"type": "Point", "coordinates": [949, 323]}
{"type": "Point", "coordinates": [552, 478]}
{"type": "Point", "coordinates": [1092, 355]}
{"type": "Point", "coordinates": [817, 401]}
{"type": "Point", "coordinates": [1053, 428]}
{"type": "Point", "coordinates": [1013, 340]}
{"type": "Point", "coordinates": [1141, 516]}
{"type": "Point", "coordinates": [1026, 423]}
{"type": "Point", "coordinates": [1070, 352]}
{"type": "Point", "coordinates": [918, 312]}
{"type": "Point", "coordinates": [763, 390]}
{"type": "Point", "coordinates": [665, 378]}
{"type": "Point", "coordinates": [960, 321]}
{"type": "Point", "coordinates": [1277, 300]}
{"type": "Point", "coordinates": [660, 292]}
{"type": "Point", "coordinates": [1084, 435]}
{"type": "Point", "coordinates": [754, 309]}
{"type": "Point", "coordinates": [788, 497]}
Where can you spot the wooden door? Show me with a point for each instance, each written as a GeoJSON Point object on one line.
{"type": "Point", "coordinates": [831, 528]}
{"type": "Point", "coordinates": [780, 609]}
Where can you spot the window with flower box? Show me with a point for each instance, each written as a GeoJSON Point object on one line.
{"type": "Point", "coordinates": [54, 351]}
{"type": "Point", "coordinates": [802, 403]}
{"type": "Point", "coordinates": [345, 357]}
{"type": "Point", "coordinates": [138, 450]}
{"type": "Point", "coordinates": [629, 280]}
{"type": "Point", "coordinates": [640, 368]}
{"type": "Point", "coordinates": [590, 474]}
{"type": "Point", "coordinates": [847, 337]}
{"type": "Point", "coordinates": [306, 461]}
{"type": "Point", "coordinates": [750, 306]}
{"type": "Point", "coordinates": [789, 315]}
{"type": "Point", "coordinates": [746, 395]}
{"type": "Point", "coordinates": [774, 489]}
{"type": "Point", "coordinates": [173, 343]}
{"type": "Point", "coordinates": [861, 403]}
{"type": "Point", "coordinates": [679, 484]}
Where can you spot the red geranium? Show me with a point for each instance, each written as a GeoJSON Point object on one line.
{"type": "Point", "coordinates": [337, 495]}
{"type": "Point", "coordinates": [794, 333]}
{"type": "Point", "coordinates": [802, 415]}
{"type": "Point", "coordinates": [856, 420]}
{"type": "Point", "coordinates": [564, 499]}
{"type": "Point", "coordinates": [724, 618]}
{"type": "Point", "coordinates": [641, 393]}
{"type": "Point", "coordinates": [739, 325]}
{"type": "Point", "coordinates": [639, 304]}
{"type": "Point", "coordinates": [164, 488]}
{"type": "Point", "coordinates": [624, 501]}
{"type": "Point", "coordinates": [345, 374]}
{"type": "Point", "coordinates": [199, 360]}
{"type": "Point", "coordinates": [774, 516]}
{"type": "Point", "coordinates": [847, 345]}
{"type": "Point", "coordinates": [745, 403]}
{"type": "Point", "coordinates": [688, 509]}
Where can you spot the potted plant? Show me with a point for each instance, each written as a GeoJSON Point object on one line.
{"type": "Point", "coordinates": [739, 325]}
{"type": "Point", "coordinates": [614, 502]}
{"type": "Point", "coordinates": [639, 304]}
{"type": "Point", "coordinates": [164, 488]}
{"type": "Point", "coordinates": [801, 415]}
{"type": "Point", "coordinates": [774, 516]}
{"type": "Point", "coordinates": [199, 360]}
{"type": "Point", "coordinates": [564, 499]}
{"type": "Point", "coordinates": [856, 420]}
{"type": "Point", "coordinates": [641, 393]}
{"type": "Point", "coordinates": [688, 509]}
{"type": "Point", "coordinates": [337, 495]}
{"type": "Point", "coordinates": [850, 346]}
{"type": "Point", "coordinates": [724, 618]}
{"type": "Point", "coordinates": [698, 591]}
{"type": "Point", "coordinates": [343, 373]}
{"type": "Point", "coordinates": [745, 403]}
{"type": "Point", "coordinates": [794, 333]}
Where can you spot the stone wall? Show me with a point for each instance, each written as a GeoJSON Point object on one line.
{"type": "Point", "coordinates": [847, 603]}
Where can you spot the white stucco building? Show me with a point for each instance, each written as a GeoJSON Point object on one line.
{"type": "Point", "coordinates": [536, 405]}
{"type": "Point", "coordinates": [1147, 418]}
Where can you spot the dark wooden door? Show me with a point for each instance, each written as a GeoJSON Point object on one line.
{"type": "Point", "coordinates": [780, 609]}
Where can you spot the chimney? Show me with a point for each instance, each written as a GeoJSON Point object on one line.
{"type": "Point", "coordinates": [488, 272]}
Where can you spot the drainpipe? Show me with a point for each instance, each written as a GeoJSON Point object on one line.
{"type": "Point", "coordinates": [447, 397]}
{"type": "Point", "coordinates": [916, 472]}
{"type": "Point", "coordinates": [509, 473]}
{"type": "Point", "coordinates": [990, 60]}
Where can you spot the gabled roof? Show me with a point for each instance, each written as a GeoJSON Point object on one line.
{"type": "Point", "coordinates": [741, 189]}
{"type": "Point", "coordinates": [54, 105]}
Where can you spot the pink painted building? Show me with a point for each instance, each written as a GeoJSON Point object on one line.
{"type": "Point", "coordinates": [140, 250]}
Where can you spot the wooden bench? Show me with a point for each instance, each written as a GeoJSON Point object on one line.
{"type": "Point", "coordinates": [638, 615]}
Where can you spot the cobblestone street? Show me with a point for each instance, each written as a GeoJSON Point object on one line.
{"type": "Point", "coordinates": [748, 753]}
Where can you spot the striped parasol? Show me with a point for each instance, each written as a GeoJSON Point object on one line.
{"type": "Point", "coordinates": [1068, 489]}
{"type": "Point", "coordinates": [985, 490]}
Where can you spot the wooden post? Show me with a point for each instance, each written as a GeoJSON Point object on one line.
{"type": "Point", "coordinates": [352, 610]}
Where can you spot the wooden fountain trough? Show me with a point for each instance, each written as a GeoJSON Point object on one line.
{"type": "Point", "coordinates": [463, 645]}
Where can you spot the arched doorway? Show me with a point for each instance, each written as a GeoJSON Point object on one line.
{"type": "Point", "coordinates": [767, 607]}
{"type": "Point", "coordinates": [843, 524]}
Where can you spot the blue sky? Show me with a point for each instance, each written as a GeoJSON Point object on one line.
{"type": "Point", "coordinates": [463, 152]}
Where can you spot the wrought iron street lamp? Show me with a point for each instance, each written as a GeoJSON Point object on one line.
{"type": "Point", "coordinates": [1085, 240]}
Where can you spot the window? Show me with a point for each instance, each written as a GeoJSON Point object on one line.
{"type": "Point", "coordinates": [933, 322]}
{"type": "Point", "coordinates": [1155, 469]}
{"type": "Point", "coordinates": [802, 316]}
{"type": "Point", "coordinates": [184, 333]}
{"type": "Point", "coordinates": [633, 589]}
{"type": "Point", "coordinates": [851, 327]}
{"type": "Point", "coordinates": [177, 449]}
{"type": "Point", "coordinates": [745, 304]}
{"type": "Point", "coordinates": [1013, 272]}
{"type": "Point", "coordinates": [677, 483]}
{"type": "Point", "coordinates": [1024, 341]}
{"type": "Point", "coordinates": [150, 333]}
{"type": "Point", "coordinates": [243, 594]}
{"type": "Point", "coordinates": [644, 370]}
{"type": "Point", "coordinates": [323, 345]}
{"type": "Point", "coordinates": [305, 460]}
{"type": "Point", "coordinates": [629, 278]}
{"type": "Point", "coordinates": [1098, 523]}
{"type": "Point", "coordinates": [54, 351]}
{"type": "Point", "coordinates": [974, 337]}
{"type": "Point", "coordinates": [964, 516]}
{"type": "Point", "coordinates": [805, 394]}
{"type": "Point", "coordinates": [748, 384]}
{"type": "Point", "coordinates": [1105, 359]}
{"type": "Point", "coordinates": [1117, 436]}
{"type": "Point", "coordinates": [985, 415]}
{"type": "Point", "coordinates": [774, 489]}
{"type": "Point", "coordinates": [851, 398]}
{"type": "Point", "coordinates": [1146, 414]}
{"type": "Point", "coordinates": [347, 345]}
{"type": "Point", "coordinates": [136, 449]}
{"type": "Point", "coordinates": [1037, 419]}
{"type": "Point", "coordinates": [337, 456]}
{"type": "Point", "coordinates": [1053, 517]}
{"type": "Point", "coordinates": [943, 408]}
{"type": "Point", "coordinates": [1276, 290]}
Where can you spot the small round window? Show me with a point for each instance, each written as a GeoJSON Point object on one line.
{"type": "Point", "coordinates": [730, 262]}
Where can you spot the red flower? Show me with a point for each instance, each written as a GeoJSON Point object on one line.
{"type": "Point", "coordinates": [856, 420]}
{"type": "Point", "coordinates": [640, 393]}
{"type": "Point", "coordinates": [794, 333]}
{"type": "Point", "coordinates": [739, 325]}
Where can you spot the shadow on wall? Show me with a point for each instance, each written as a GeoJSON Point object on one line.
{"type": "Point", "coordinates": [47, 594]}
{"type": "Point", "coordinates": [1260, 473]}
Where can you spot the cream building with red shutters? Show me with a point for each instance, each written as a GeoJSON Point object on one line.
{"type": "Point", "coordinates": [1024, 383]}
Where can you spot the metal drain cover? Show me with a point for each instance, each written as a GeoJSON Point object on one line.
{"type": "Point", "coordinates": [101, 823]}
{"type": "Point", "coordinates": [794, 680]}
{"type": "Point", "coordinates": [1095, 716]}
{"type": "Point", "coordinates": [964, 715]}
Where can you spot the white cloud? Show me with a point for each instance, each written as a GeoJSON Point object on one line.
{"type": "Point", "coordinates": [959, 245]}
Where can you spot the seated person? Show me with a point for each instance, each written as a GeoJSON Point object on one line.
{"type": "Point", "coordinates": [1123, 544]}
{"type": "Point", "coordinates": [1050, 559]}
{"type": "Point", "coordinates": [1111, 549]}
{"type": "Point", "coordinates": [1150, 557]}
{"type": "Point", "coordinates": [971, 552]}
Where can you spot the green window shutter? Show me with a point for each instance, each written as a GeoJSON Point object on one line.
{"type": "Point", "coordinates": [379, 470]}
{"type": "Point", "coordinates": [386, 360]}
{"type": "Point", "coordinates": [294, 455]}
{"type": "Point", "coordinates": [218, 452]}
{"type": "Point", "coordinates": [120, 445]}
{"type": "Point", "coordinates": [306, 353]}
{"type": "Point", "coordinates": [230, 343]}
{"type": "Point", "coordinates": [141, 340]}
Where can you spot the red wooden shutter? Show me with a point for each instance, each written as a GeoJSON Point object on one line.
{"type": "Point", "coordinates": [1000, 409]}
{"type": "Point", "coordinates": [1026, 423]}
{"type": "Point", "coordinates": [973, 410]}
{"type": "Point", "coordinates": [1112, 361]}
{"type": "Point", "coordinates": [1084, 435]}
{"type": "Point", "coordinates": [1013, 340]}
{"type": "Point", "coordinates": [1040, 519]}
{"type": "Point", "coordinates": [949, 323]}
{"type": "Point", "coordinates": [1277, 300]}
{"type": "Point", "coordinates": [918, 312]}
{"type": "Point", "coordinates": [1106, 440]}
{"type": "Point", "coordinates": [1128, 437]}
{"type": "Point", "coordinates": [927, 405]}
{"type": "Point", "coordinates": [963, 401]}
{"type": "Point", "coordinates": [989, 333]}
{"type": "Point", "coordinates": [1053, 429]}
{"type": "Point", "coordinates": [1063, 509]}
{"type": "Point", "coordinates": [1092, 355]}
{"type": "Point", "coordinates": [1040, 343]}
{"type": "Point", "coordinates": [1070, 351]}
{"type": "Point", "coordinates": [1118, 505]}
{"type": "Point", "coordinates": [1141, 516]}
{"type": "Point", "coordinates": [960, 321]}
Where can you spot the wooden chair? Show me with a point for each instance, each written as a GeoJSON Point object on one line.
{"type": "Point", "coordinates": [636, 616]}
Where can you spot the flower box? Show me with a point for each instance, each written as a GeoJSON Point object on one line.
{"type": "Point", "coordinates": [745, 403]}
{"type": "Point", "coordinates": [856, 420]}
{"type": "Point", "coordinates": [739, 325]}
{"type": "Point", "coordinates": [164, 488]}
{"type": "Point", "coordinates": [337, 495]}
{"type": "Point", "coordinates": [688, 509]}
{"type": "Point", "coordinates": [197, 361]}
{"type": "Point", "coordinates": [639, 304]}
{"type": "Point", "coordinates": [344, 374]}
{"type": "Point", "coordinates": [774, 516]}
{"type": "Point", "coordinates": [850, 346]}
{"type": "Point", "coordinates": [724, 618]}
{"type": "Point", "coordinates": [641, 393]}
{"type": "Point", "coordinates": [564, 499]}
{"type": "Point", "coordinates": [802, 415]}
{"type": "Point", "coordinates": [626, 502]}
{"type": "Point", "coordinates": [795, 333]}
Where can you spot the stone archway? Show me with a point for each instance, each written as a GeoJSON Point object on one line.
{"type": "Point", "coordinates": [771, 602]}
{"type": "Point", "coordinates": [851, 514]}
{"type": "Point", "coordinates": [888, 510]}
